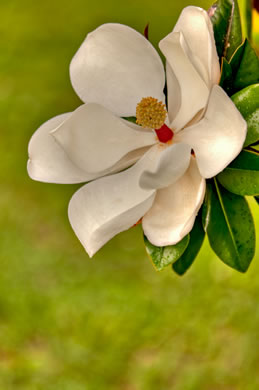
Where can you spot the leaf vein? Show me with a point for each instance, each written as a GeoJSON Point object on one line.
{"type": "Point", "coordinates": [226, 218]}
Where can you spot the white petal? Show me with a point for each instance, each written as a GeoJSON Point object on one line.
{"type": "Point", "coordinates": [173, 162]}
{"type": "Point", "coordinates": [107, 206]}
{"type": "Point", "coordinates": [116, 67]}
{"type": "Point", "coordinates": [193, 90]}
{"type": "Point", "coordinates": [174, 98]}
{"type": "Point", "coordinates": [95, 139]}
{"type": "Point", "coordinates": [49, 163]}
{"type": "Point", "coordinates": [197, 30]}
{"type": "Point", "coordinates": [219, 137]}
{"type": "Point", "coordinates": [175, 208]}
{"type": "Point", "coordinates": [47, 160]}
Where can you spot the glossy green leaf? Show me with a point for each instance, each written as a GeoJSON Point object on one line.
{"type": "Point", "coordinates": [242, 176]}
{"type": "Point", "coordinates": [229, 224]}
{"type": "Point", "coordinates": [247, 102]}
{"type": "Point", "coordinates": [242, 71]}
{"type": "Point", "coordinates": [196, 240]}
{"type": "Point", "coordinates": [162, 256]}
{"type": "Point", "coordinates": [245, 67]}
{"type": "Point", "coordinates": [227, 27]}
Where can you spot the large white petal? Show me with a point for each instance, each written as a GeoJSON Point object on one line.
{"type": "Point", "coordinates": [197, 30]}
{"type": "Point", "coordinates": [173, 163]}
{"type": "Point", "coordinates": [187, 81]}
{"type": "Point", "coordinates": [47, 160]}
{"type": "Point", "coordinates": [174, 210]}
{"type": "Point", "coordinates": [107, 206]}
{"type": "Point", "coordinates": [219, 137]}
{"type": "Point", "coordinates": [95, 139]}
{"type": "Point", "coordinates": [49, 163]}
{"type": "Point", "coordinates": [116, 67]}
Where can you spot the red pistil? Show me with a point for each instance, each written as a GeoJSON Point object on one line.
{"type": "Point", "coordinates": [164, 134]}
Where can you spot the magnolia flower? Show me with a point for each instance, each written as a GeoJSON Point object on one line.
{"type": "Point", "coordinates": [169, 152]}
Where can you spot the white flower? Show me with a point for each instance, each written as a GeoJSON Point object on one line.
{"type": "Point", "coordinates": [113, 70]}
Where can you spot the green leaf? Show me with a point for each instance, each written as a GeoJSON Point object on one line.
{"type": "Point", "coordinates": [229, 224]}
{"type": "Point", "coordinates": [162, 256]}
{"type": "Point", "coordinates": [246, 16]}
{"type": "Point", "coordinates": [227, 27]}
{"type": "Point", "coordinates": [226, 79]}
{"type": "Point", "coordinates": [130, 119]}
{"type": "Point", "coordinates": [242, 71]}
{"type": "Point", "coordinates": [245, 67]}
{"type": "Point", "coordinates": [196, 240]}
{"type": "Point", "coordinates": [242, 176]}
{"type": "Point", "coordinates": [247, 102]}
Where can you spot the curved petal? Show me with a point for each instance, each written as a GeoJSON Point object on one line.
{"type": "Point", "coordinates": [49, 163]}
{"type": "Point", "coordinates": [174, 98]}
{"type": "Point", "coordinates": [116, 67]}
{"type": "Point", "coordinates": [174, 210]}
{"type": "Point", "coordinates": [193, 90]}
{"type": "Point", "coordinates": [219, 137]}
{"type": "Point", "coordinates": [197, 30]}
{"type": "Point", "coordinates": [107, 206]}
{"type": "Point", "coordinates": [94, 139]}
{"type": "Point", "coordinates": [47, 160]}
{"type": "Point", "coordinates": [173, 163]}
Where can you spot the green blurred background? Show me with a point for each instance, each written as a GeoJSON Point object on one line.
{"type": "Point", "coordinates": [113, 322]}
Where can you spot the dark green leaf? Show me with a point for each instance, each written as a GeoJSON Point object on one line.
{"type": "Point", "coordinates": [130, 119]}
{"type": "Point", "coordinates": [227, 27]}
{"type": "Point", "coordinates": [248, 17]}
{"type": "Point", "coordinates": [247, 102]}
{"type": "Point", "coordinates": [229, 224]}
{"type": "Point", "coordinates": [226, 79]}
{"type": "Point", "coordinates": [196, 239]}
{"type": "Point", "coordinates": [242, 176]}
{"type": "Point", "coordinates": [245, 67]}
{"type": "Point", "coordinates": [162, 256]}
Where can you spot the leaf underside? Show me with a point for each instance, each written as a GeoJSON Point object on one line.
{"type": "Point", "coordinates": [162, 256]}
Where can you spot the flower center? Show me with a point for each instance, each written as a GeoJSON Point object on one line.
{"type": "Point", "coordinates": [152, 113]}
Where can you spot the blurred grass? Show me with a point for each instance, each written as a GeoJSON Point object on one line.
{"type": "Point", "coordinates": [112, 323]}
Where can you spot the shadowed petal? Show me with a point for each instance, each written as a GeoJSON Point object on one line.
{"type": "Point", "coordinates": [219, 137]}
{"type": "Point", "coordinates": [174, 210]}
{"type": "Point", "coordinates": [186, 84]}
{"type": "Point", "coordinates": [197, 30]}
{"type": "Point", "coordinates": [172, 164]}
